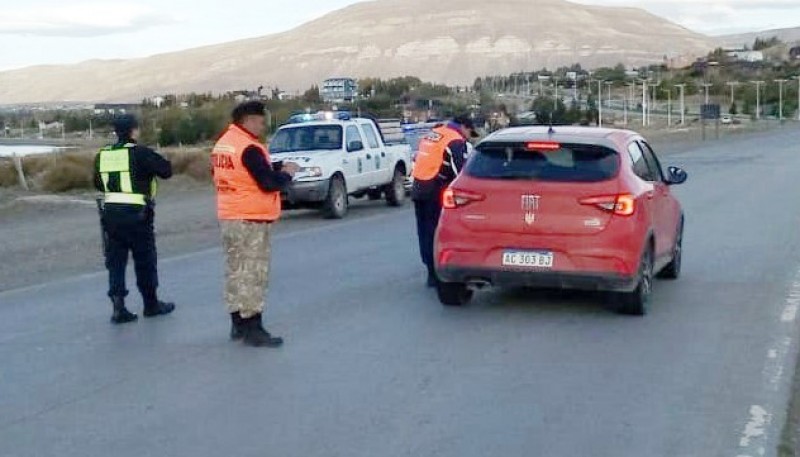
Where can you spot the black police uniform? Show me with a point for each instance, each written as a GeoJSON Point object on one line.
{"type": "Point", "coordinates": [128, 219]}
{"type": "Point", "coordinates": [427, 201]}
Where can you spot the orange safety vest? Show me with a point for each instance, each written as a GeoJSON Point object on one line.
{"type": "Point", "coordinates": [238, 194]}
{"type": "Point", "coordinates": [432, 150]}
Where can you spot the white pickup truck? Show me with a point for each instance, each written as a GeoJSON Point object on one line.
{"type": "Point", "coordinates": [340, 157]}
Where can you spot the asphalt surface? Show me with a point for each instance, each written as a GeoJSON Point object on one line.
{"type": "Point", "coordinates": [374, 366]}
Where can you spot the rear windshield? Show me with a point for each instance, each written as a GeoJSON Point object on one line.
{"type": "Point", "coordinates": [307, 138]}
{"type": "Point", "coordinates": [571, 163]}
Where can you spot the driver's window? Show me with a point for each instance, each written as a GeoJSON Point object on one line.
{"type": "Point", "coordinates": [352, 135]}
{"type": "Point", "coordinates": [652, 160]}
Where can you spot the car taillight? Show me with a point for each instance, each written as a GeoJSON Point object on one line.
{"type": "Point", "coordinates": [454, 198]}
{"type": "Point", "coordinates": [621, 205]}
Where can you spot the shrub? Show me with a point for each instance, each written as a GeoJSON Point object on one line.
{"type": "Point", "coordinates": [193, 163]}
{"type": "Point", "coordinates": [67, 172]}
{"type": "Point", "coordinates": [8, 174]}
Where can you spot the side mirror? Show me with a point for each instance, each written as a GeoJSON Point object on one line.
{"type": "Point", "coordinates": [355, 146]}
{"type": "Point", "coordinates": [676, 176]}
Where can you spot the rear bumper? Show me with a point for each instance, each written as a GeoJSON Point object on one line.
{"type": "Point", "coordinates": [541, 279]}
{"type": "Point", "coordinates": [306, 192]}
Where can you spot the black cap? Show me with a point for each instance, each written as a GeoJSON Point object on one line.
{"type": "Point", "coordinates": [467, 123]}
{"type": "Point", "coordinates": [125, 124]}
{"type": "Point", "coordinates": [251, 108]}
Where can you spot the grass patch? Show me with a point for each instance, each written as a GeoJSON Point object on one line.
{"type": "Point", "coordinates": [8, 173]}
{"type": "Point", "coordinates": [74, 170]}
{"type": "Point", "coordinates": [194, 163]}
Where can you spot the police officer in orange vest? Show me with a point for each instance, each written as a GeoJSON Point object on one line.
{"type": "Point", "coordinates": [440, 158]}
{"type": "Point", "coordinates": [249, 189]}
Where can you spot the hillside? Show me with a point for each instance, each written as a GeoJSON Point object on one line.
{"type": "Point", "coordinates": [383, 38]}
{"type": "Point", "coordinates": [791, 35]}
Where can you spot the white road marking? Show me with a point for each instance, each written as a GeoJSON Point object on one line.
{"type": "Point", "coordinates": [757, 436]}
{"type": "Point", "coordinates": [756, 427]}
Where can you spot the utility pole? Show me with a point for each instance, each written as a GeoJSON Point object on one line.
{"type": "Point", "coordinates": [654, 102]}
{"type": "Point", "coordinates": [798, 96]}
{"type": "Point", "coordinates": [682, 87]}
{"type": "Point", "coordinates": [758, 97]}
{"type": "Point", "coordinates": [733, 85]}
{"type": "Point", "coordinates": [555, 99]}
{"type": "Point", "coordinates": [600, 103]}
{"type": "Point", "coordinates": [707, 87]}
{"type": "Point", "coordinates": [644, 102]}
{"type": "Point", "coordinates": [780, 82]}
{"type": "Point", "coordinates": [628, 98]}
{"type": "Point", "coordinates": [608, 86]}
{"type": "Point", "coordinates": [669, 106]}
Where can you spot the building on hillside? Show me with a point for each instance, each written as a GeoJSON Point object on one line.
{"type": "Point", "coordinates": [114, 108]}
{"type": "Point", "coordinates": [744, 55]}
{"type": "Point", "coordinates": [339, 90]}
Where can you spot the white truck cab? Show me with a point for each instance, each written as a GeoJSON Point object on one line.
{"type": "Point", "coordinates": [340, 157]}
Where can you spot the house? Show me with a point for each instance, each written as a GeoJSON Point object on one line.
{"type": "Point", "coordinates": [339, 90]}
{"type": "Point", "coordinates": [745, 55]}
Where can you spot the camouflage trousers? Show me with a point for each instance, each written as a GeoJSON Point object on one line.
{"type": "Point", "coordinates": [247, 257]}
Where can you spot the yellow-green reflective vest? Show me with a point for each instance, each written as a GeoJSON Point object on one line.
{"type": "Point", "coordinates": [114, 167]}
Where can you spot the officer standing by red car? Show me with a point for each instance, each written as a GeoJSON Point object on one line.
{"type": "Point", "coordinates": [441, 157]}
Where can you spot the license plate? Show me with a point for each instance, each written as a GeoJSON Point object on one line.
{"type": "Point", "coordinates": [528, 259]}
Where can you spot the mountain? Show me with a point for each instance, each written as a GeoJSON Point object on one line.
{"type": "Point", "coordinates": [383, 38]}
{"type": "Point", "coordinates": [791, 35]}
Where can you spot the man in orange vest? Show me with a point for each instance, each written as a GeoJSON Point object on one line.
{"type": "Point", "coordinates": [440, 158]}
{"type": "Point", "coordinates": [248, 202]}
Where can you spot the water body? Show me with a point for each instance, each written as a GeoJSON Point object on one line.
{"type": "Point", "coordinates": [23, 150]}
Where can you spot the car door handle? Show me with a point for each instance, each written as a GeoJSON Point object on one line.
{"type": "Point", "coordinates": [650, 195]}
{"type": "Point", "coordinates": [383, 154]}
{"type": "Point", "coordinates": [345, 161]}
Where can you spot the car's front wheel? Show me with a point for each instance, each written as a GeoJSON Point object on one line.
{"type": "Point", "coordinates": [636, 303]}
{"type": "Point", "coordinates": [453, 293]}
{"type": "Point", "coordinates": [335, 206]}
{"type": "Point", "coordinates": [673, 268]}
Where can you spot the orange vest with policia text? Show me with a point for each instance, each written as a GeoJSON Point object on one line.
{"type": "Point", "coordinates": [433, 152]}
{"type": "Point", "coordinates": [238, 194]}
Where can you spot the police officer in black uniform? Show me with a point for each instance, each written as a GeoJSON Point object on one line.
{"type": "Point", "coordinates": [126, 174]}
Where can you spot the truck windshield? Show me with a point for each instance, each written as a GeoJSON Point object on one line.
{"type": "Point", "coordinates": [307, 138]}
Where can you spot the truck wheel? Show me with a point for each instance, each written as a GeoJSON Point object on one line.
{"type": "Point", "coordinates": [453, 293]}
{"type": "Point", "coordinates": [396, 190]}
{"type": "Point", "coordinates": [335, 206]}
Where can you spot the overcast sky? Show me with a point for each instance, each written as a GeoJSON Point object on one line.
{"type": "Point", "coordinates": [64, 31]}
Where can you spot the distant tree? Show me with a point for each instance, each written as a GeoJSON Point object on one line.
{"type": "Point", "coordinates": [312, 96]}
{"type": "Point", "coordinates": [761, 44]}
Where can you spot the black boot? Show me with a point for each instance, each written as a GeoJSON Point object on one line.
{"type": "Point", "coordinates": [121, 314]}
{"type": "Point", "coordinates": [237, 326]}
{"type": "Point", "coordinates": [256, 336]}
{"type": "Point", "coordinates": [155, 307]}
{"type": "Point", "coordinates": [432, 278]}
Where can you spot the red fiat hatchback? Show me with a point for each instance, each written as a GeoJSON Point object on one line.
{"type": "Point", "coordinates": [565, 207]}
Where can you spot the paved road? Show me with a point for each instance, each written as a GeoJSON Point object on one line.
{"type": "Point", "coordinates": [374, 366]}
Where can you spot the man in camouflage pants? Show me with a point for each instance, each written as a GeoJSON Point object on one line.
{"type": "Point", "coordinates": [248, 202]}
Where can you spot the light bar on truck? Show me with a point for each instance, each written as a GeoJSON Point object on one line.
{"type": "Point", "coordinates": [320, 116]}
